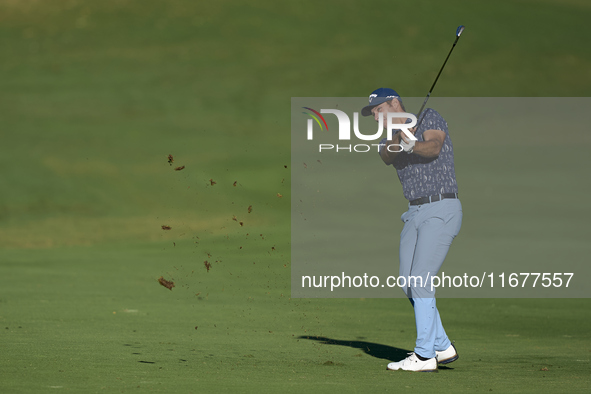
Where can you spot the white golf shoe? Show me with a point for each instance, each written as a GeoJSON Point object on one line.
{"type": "Point", "coordinates": [447, 356]}
{"type": "Point", "coordinates": [413, 363]}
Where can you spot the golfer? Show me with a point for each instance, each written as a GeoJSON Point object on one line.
{"type": "Point", "coordinates": [426, 171]}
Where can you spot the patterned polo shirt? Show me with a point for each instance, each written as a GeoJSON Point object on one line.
{"type": "Point", "coordinates": [422, 176]}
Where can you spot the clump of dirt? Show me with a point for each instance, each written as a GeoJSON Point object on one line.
{"type": "Point", "coordinates": [166, 283]}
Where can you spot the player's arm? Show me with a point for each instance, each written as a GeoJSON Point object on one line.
{"type": "Point", "coordinates": [387, 156]}
{"type": "Point", "coordinates": [431, 144]}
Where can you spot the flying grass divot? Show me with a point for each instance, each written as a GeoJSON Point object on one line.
{"type": "Point", "coordinates": [207, 264]}
{"type": "Point", "coordinates": [166, 283]}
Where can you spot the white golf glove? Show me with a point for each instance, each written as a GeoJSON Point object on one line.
{"type": "Point", "coordinates": [407, 146]}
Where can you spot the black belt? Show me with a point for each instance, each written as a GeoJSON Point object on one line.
{"type": "Point", "coordinates": [436, 197]}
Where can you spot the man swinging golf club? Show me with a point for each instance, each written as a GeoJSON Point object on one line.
{"type": "Point", "coordinates": [425, 167]}
{"type": "Point", "coordinates": [426, 170]}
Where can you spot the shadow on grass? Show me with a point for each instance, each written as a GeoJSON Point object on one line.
{"type": "Point", "coordinates": [377, 350]}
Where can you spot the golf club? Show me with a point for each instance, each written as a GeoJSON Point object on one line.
{"type": "Point", "coordinates": [458, 33]}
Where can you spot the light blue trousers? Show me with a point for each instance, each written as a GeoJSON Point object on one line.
{"type": "Point", "coordinates": [426, 237]}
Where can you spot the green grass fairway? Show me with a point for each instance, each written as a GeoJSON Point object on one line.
{"type": "Point", "coordinates": [94, 95]}
{"type": "Point", "coordinates": [88, 319]}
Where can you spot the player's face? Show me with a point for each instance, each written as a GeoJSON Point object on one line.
{"type": "Point", "coordinates": [383, 109]}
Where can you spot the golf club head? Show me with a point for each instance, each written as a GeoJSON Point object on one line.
{"type": "Point", "coordinates": [460, 30]}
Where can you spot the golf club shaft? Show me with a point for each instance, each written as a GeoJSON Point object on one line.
{"type": "Point", "coordinates": [458, 33]}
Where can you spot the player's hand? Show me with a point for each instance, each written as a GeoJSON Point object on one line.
{"type": "Point", "coordinates": [407, 146]}
{"type": "Point", "coordinates": [403, 136]}
{"type": "Point", "coordinates": [406, 143]}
